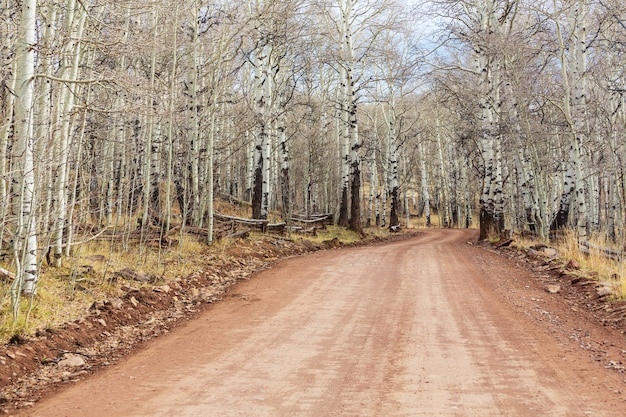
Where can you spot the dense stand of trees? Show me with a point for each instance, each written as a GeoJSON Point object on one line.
{"type": "Point", "coordinates": [132, 114]}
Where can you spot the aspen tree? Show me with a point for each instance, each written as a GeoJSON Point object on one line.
{"type": "Point", "coordinates": [72, 55]}
{"type": "Point", "coordinates": [393, 146]}
{"type": "Point", "coordinates": [572, 59]}
{"type": "Point", "coordinates": [151, 198]}
{"type": "Point", "coordinates": [480, 27]}
{"type": "Point", "coordinates": [262, 92]}
{"type": "Point", "coordinates": [7, 100]}
{"type": "Point", "coordinates": [25, 242]}
{"type": "Point", "coordinates": [424, 181]}
{"type": "Point", "coordinates": [444, 203]}
{"type": "Point", "coordinates": [350, 18]}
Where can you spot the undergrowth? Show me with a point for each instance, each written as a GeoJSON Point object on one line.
{"type": "Point", "coordinates": [92, 273]}
{"type": "Point", "coordinates": [603, 268]}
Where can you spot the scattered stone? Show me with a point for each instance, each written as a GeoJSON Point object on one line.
{"type": "Point", "coordinates": [125, 273]}
{"type": "Point", "coordinates": [573, 264]}
{"type": "Point", "coordinates": [116, 303]}
{"type": "Point", "coordinates": [532, 253]}
{"type": "Point", "coordinates": [582, 281]}
{"type": "Point", "coordinates": [102, 322]}
{"type": "Point", "coordinates": [71, 361]}
{"type": "Point", "coordinates": [550, 252]}
{"type": "Point", "coordinates": [142, 277]}
{"type": "Point", "coordinates": [553, 288]}
{"type": "Point", "coordinates": [131, 275]}
{"type": "Point", "coordinates": [11, 355]}
{"type": "Point", "coordinates": [163, 288]}
{"type": "Point", "coordinates": [604, 291]}
{"type": "Point", "coordinates": [133, 301]}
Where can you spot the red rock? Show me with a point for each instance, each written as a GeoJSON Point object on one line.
{"type": "Point", "coordinates": [573, 264]}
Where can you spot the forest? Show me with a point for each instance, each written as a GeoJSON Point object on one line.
{"type": "Point", "coordinates": [140, 115]}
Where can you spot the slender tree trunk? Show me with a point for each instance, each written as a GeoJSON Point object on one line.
{"type": "Point", "coordinates": [343, 137]}
{"type": "Point", "coordinates": [394, 184]}
{"type": "Point", "coordinates": [444, 201]}
{"type": "Point", "coordinates": [424, 181]}
{"type": "Point", "coordinates": [262, 88]}
{"type": "Point", "coordinates": [71, 68]}
{"type": "Point", "coordinates": [24, 184]}
{"type": "Point", "coordinates": [151, 161]}
{"type": "Point", "coordinates": [285, 189]}
{"type": "Point", "coordinates": [371, 204]}
{"type": "Point", "coordinates": [573, 68]}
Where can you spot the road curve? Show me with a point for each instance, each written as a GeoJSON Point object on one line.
{"type": "Point", "coordinates": [411, 328]}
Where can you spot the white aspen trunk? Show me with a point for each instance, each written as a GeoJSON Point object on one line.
{"type": "Point", "coordinates": [373, 188]}
{"type": "Point", "coordinates": [70, 71]}
{"type": "Point", "coordinates": [74, 193]}
{"type": "Point", "coordinates": [193, 138]}
{"type": "Point", "coordinates": [578, 21]}
{"type": "Point", "coordinates": [407, 208]}
{"type": "Point", "coordinates": [467, 198]}
{"type": "Point", "coordinates": [170, 126]}
{"type": "Point", "coordinates": [250, 154]}
{"type": "Point", "coordinates": [285, 186]}
{"type": "Point", "coordinates": [394, 181]}
{"type": "Point", "coordinates": [210, 197]}
{"type": "Point", "coordinates": [344, 141]}
{"type": "Point", "coordinates": [444, 202]}
{"type": "Point", "coordinates": [424, 181]}
{"type": "Point", "coordinates": [119, 162]}
{"type": "Point", "coordinates": [612, 203]}
{"type": "Point", "coordinates": [386, 188]}
{"type": "Point", "coordinates": [488, 66]}
{"type": "Point", "coordinates": [262, 169]}
{"type": "Point", "coordinates": [151, 160]}
{"type": "Point", "coordinates": [353, 131]}
{"type": "Point", "coordinates": [543, 197]}
{"type": "Point", "coordinates": [25, 241]}
{"type": "Point", "coordinates": [45, 115]}
{"type": "Point", "coordinates": [595, 198]}
{"type": "Point", "coordinates": [526, 178]}
{"type": "Point", "coordinates": [7, 84]}
{"type": "Point", "coordinates": [5, 131]}
{"type": "Point", "coordinates": [573, 68]}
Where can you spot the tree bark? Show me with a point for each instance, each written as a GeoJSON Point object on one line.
{"type": "Point", "coordinates": [25, 244]}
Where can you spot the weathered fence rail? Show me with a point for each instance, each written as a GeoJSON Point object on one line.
{"type": "Point", "coordinates": [587, 248]}
{"type": "Point", "coordinates": [224, 227]}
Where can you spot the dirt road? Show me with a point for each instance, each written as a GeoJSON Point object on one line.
{"type": "Point", "coordinates": [423, 327]}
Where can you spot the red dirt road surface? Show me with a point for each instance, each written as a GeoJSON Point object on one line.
{"type": "Point", "coordinates": [429, 326]}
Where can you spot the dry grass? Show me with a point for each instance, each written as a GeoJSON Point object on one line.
{"type": "Point", "coordinates": [606, 269]}
{"type": "Point", "coordinates": [65, 293]}
{"type": "Point", "coordinates": [89, 275]}
{"type": "Point", "coordinates": [332, 232]}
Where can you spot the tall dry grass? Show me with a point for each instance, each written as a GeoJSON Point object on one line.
{"type": "Point", "coordinates": [594, 260]}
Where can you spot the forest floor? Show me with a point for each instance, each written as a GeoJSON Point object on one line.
{"type": "Point", "coordinates": [501, 309]}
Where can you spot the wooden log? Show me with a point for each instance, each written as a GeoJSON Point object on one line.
{"type": "Point", "coordinates": [244, 234]}
{"type": "Point", "coordinates": [276, 228]}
